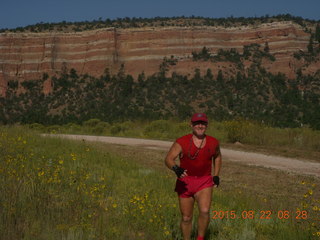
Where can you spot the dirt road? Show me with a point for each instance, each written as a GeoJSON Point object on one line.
{"type": "Point", "coordinates": [281, 163]}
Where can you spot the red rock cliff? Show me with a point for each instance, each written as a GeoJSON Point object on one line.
{"type": "Point", "coordinates": [25, 56]}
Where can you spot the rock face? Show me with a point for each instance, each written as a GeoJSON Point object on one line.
{"type": "Point", "coordinates": [26, 56]}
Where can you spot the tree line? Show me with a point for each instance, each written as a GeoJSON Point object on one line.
{"type": "Point", "coordinates": [256, 95]}
{"type": "Point", "coordinates": [137, 22]}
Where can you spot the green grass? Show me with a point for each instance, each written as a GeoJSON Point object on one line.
{"type": "Point", "coordinates": [59, 189]}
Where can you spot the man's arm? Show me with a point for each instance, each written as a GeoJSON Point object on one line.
{"type": "Point", "coordinates": [173, 153]}
{"type": "Point", "coordinates": [217, 161]}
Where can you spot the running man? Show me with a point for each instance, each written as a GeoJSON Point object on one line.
{"type": "Point", "coordinates": [197, 153]}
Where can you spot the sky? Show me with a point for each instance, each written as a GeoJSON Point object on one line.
{"type": "Point", "coordinates": [20, 13]}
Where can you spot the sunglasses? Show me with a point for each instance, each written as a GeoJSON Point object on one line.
{"type": "Point", "coordinates": [199, 122]}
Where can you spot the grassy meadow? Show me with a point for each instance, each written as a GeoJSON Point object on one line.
{"type": "Point", "coordinates": [62, 189]}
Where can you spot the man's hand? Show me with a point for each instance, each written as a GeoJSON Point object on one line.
{"type": "Point", "coordinates": [178, 170]}
{"type": "Point", "coordinates": [216, 180]}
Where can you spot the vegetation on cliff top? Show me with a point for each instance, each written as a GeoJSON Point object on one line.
{"type": "Point", "coordinates": [181, 21]}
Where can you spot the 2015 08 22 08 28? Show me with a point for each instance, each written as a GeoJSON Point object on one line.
{"type": "Point", "coordinates": [261, 214]}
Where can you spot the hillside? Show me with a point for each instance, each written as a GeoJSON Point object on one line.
{"type": "Point", "coordinates": [266, 71]}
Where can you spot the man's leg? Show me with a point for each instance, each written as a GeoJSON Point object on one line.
{"type": "Point", "coordinates": [186, 209]}
{"type": "Point", "coordinates": [203, 198]}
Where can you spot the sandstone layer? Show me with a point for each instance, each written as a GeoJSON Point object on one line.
{"type": "Point", "coordinates": [26, 56]}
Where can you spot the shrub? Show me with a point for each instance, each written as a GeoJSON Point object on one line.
{"type": "Point", "coordinates": [91, 122]}
{"type": "Point", "coordinates": [233, 131]}
{"type": "Point", "coordinates": [121, 128]}
{"type": "Point", "coordinates": [53, 129]}
{"type": "Point", "coordinates": [237, 130]}
{"type": "Point", "coordinates": [159, 129]}
{"type": "Point", "coordinates": [100, 128]}
{"type": "Point", "coordinates": [72, 128]}
{"type": "Point", "coordinates": [36, 126]}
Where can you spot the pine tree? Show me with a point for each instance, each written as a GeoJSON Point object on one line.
{"type": "Point", "coordinates": [266, 47]}
{"type": "Point", "coordinates": [310, 45]}
{"type": "Point", "coordinates": [317, 34]}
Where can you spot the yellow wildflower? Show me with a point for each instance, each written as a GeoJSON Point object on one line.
{"type": "Point", "coordinates": [73, 155]}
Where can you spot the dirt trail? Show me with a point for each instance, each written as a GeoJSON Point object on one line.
{"type": "Point", "coordinates": [250, 158]}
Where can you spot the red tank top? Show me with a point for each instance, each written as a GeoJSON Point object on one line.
{"type": "Point", "coordinates": [201, 165]}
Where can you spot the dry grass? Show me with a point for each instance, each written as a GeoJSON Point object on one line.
{"type": "Point", "coordinates": [307, 155]}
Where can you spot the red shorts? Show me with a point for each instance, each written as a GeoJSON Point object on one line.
{"type": "Point", "coordinates": [190, 185]}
